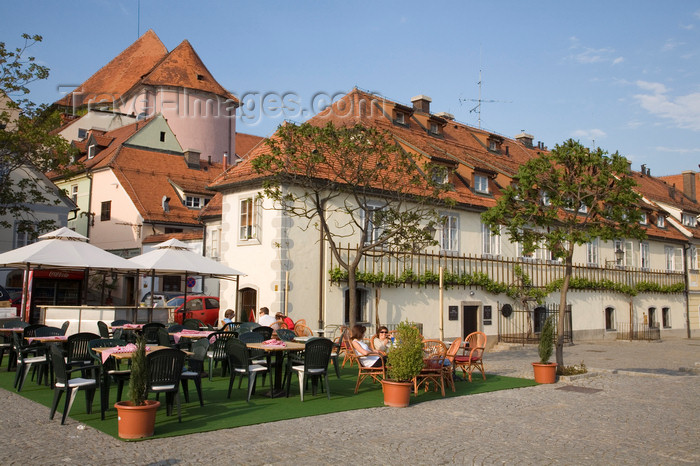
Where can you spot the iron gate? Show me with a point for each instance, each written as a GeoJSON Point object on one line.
{"type": "Point", "coordinates": [524, 326]}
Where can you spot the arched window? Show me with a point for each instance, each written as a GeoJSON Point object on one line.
{"type": "Point", "coordinates": [609, 318]}
{"type": "Point", "coordinates": [652, 318]}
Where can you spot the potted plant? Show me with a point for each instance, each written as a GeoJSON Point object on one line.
{"type": "Point", "coordinates": [405, 361]}
{"type": "Point", "coordinates": [546, 372]}
{"type": "Point", "coordinates": [137, 418]}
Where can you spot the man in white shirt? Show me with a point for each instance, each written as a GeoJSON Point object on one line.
{"type": "Point", "coordinates": [265, 319]}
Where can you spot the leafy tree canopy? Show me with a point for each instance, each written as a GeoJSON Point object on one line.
{"type": "Point", "coordinates": [27, 148]}
{"type": "Point", "coordinates": [355, 184]}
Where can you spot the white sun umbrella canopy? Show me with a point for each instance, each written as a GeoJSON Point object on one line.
{"type": "Point", "coordinates": [64, 248]}
{"type": "Point", "coordinates": [173, 257]}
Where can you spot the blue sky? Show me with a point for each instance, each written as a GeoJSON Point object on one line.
{"type": "Point", "coordinates": [625, 74]}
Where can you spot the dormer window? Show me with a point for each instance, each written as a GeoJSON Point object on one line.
{"type": "Point", "coordinates": [661, 221]}
{"type": "Point", "coordinates": [643, 219]}
{"type": "Point", "coordinates": [481, 184]}
{"type": "Point", "coordinates": [439, 174]}
{"type": "Point", "coordinates": [546, 201]}
{"type": "Point", "coordinates": [434, 128]}
{"type": "Point", "coordinates": [689, 220]}
{"type": "Point", "coordinates": [162, 136]}
{"type": "Point", "coordinates": [400, 118]}
{"type": "Point", "coordinates": [82, 133]}
{"type": "Point", "coordinates": [494, 143]}
{"type": "Point", "coordinates": [92, 150]}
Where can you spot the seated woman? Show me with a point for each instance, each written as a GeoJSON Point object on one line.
{"type": "Point", "coordinates": [381, 341]}
{"type": "Point", "coordinates": [283, 319]}
{"type": "Point", "coordinates": [367, 357]}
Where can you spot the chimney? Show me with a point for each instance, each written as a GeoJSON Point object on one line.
{"type": "Point", "coordinates": [225, 161]}
{"type": "Point", "coordinates": [644, 169]}
{"type": "Point", "coordinates": [445, 115]}
{"type": "Point", "coordinates": [525, 139]}
{"type": "Point", "coordinates": [192, 158]}
{"type": "Point", "coordinates": [689, 184]}
{"type": "Point", "coordinates": [422, 103]}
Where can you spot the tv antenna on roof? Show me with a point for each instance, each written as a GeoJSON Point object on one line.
{"type": "Point", "coordinates": [479, 101]}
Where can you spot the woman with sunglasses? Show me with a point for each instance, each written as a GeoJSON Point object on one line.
{"type": "Point", "coordinates": [381, 340]}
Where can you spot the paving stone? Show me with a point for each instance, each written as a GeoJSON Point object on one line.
{"type": "Point", "coordinates": [644, 411]}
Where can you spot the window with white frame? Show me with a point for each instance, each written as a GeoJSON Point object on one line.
{"type": "Point", "coordinates": [628, 253]}
{"type": "Point", "coordinates": [449, 238]}
{"type": "Point", "coordinates": [24, 237]}
{"type": "Point", "coordinates": [401, 118]}
{"type": "Point", "coordinates": [374, 228]}
{"type": "Point", "coordinates": [643, 219]}
{"type": "Point", "coordinates": [644, 260]}
{"type": "Point", "coordinates": [592, 252]}
{"type": "Point", "coordinates": [693, 256]}
{"type": "Point", "coordinates": [490, 244]}
{"type": "Point", "coordinates": [249, 225]}
{"type": "Point", "coordinates": [545, 199]}
{"type": "Point", "coordinates": [583, 208]}
{"type": "Point", "coordinates": [689, 220]}
{"type": "Point", "coordinates": [215, 243]}
{"type": "Point", "coordinates": [661, 221]}
{"type": "Point", "coordinates": [193, 202]}
{"type": "Point", "coordinates": [74, 193]}
{"type": "Point", "coordinates": [481, 184]}
{"type": "Point", "coordinates": [674, 258]}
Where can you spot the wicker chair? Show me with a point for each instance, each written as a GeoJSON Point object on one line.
{"type": "Point", "coordinates": [450, 357]}
{"type": "Point", "coordinates": [302, 330]}
{"type": "Point", "coordinates": [434, 352]}
{"type": "Point", "coordinates": [473, 355]}
{"type": "Point", "coordinates": [376, 373]}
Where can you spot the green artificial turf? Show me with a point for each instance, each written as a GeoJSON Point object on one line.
{"type": "Point", "coordinates": [222, 413]}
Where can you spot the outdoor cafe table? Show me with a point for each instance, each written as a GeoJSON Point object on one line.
{"type": "Point", "coordinates": [279, 351]}
{"type": "Point", "coordinates": [191, 334]}
{"type": "Point", "coordinates": [51, 339]}
{"type": "Point", "coordinates": [126, 354]}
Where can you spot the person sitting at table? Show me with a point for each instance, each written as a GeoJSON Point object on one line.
{"type": "Point", "coordinates": [367, 357]}
{"type": "Point", "coordinates": [228, 316]}
{"type": "Point", "coordinates": [265, 319]}
{"type": "Point", "coordinates": [381, 340]}
{"type": "Point", "coordinates": [283, 319]}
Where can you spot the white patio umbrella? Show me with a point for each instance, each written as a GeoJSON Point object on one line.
{"type": "Point", "coordinates": [63, 248]}
{"type": "Point", "coordinates": [173, 257]}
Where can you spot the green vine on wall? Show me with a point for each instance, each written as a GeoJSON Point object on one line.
{"type": "Point", "coordinates": [338, 275]}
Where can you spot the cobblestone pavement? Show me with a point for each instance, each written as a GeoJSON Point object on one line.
{"type": "Point", "coordinates": [640, 406]}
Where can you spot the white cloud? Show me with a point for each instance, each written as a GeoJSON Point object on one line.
{"type": "Point", "coordinates": [671, 44]}
{"type": "Point", "coordinates": [674, 150]}
{"type": "Point", "coordinates": [683, 110]}
{"type": "Point", "coordinates": [618, 60]}
{"type": "Point", "coordinates": [589, 134]}
{"type": "Point", "coordinates": [590, 55]}
{"type": "Point", "coordinates": [687, 27]}
{"type": "Point", "coordinates": [697, 14]}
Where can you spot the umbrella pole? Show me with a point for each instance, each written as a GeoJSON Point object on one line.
{"type": "Point", "coordinates": [25, 295]}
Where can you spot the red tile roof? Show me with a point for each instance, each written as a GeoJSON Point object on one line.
{"type": "Point", "coordinates": [119, 75]}
{"type": "Point", "coordinates": [189, 236]}
{"type": "Point", "coordinates": [459, 144]}
{"type": "Point", "coordinates": [213, 209]}
{"type": "Point", "coordinates": [146, 62]}
{"type": "Point", "coordinates": [246, 142]}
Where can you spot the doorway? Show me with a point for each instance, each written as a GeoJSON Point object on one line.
{"type": "Point", "coordinates": [470, 319]}
{"type": "Point", "coordinates": [249, 304]}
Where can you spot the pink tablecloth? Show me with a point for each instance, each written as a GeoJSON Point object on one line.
{"type": "Point", "coordinates": [187, 333]}
{"type": "Point", "coordinates": [274, 342]}
{"type": "Point", "coordinates": [130, 348]}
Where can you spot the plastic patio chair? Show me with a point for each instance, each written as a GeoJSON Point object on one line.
{"type": "Point", "coordinates": [195, 369]}
{"type": "Point", "coordinates": [164, 371]}
{"type": "Point", "coordinates": [217, 351]}
{"type": "Point", "coordinates": [108, 370]}
{"type": "Point", "coordinates": [240, 365]}
{"type": "Point", "coordinates": [317, 356]}
{"type": "Point", "coordinates": [70, 386]}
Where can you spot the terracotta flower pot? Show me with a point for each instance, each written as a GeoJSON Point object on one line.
{"type": "Point", "coordinates": [136, 421]}
{"type": "Point", "coordinates": [545, 373]}
{"type": "Point", "coordinates": [396, 394]}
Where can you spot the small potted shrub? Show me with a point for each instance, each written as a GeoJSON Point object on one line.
{"type": "Point", "coordinates": [137, 418]}
{"type": "Point", "coordinates": [546, 372]}
{"type": "Point", "coordinates": [405, 361]}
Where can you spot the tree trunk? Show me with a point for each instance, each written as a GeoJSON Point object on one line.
{"type": "Point", "coordinates": [562, 310]}
{"type": "Point", "coordinates": [352, 295]}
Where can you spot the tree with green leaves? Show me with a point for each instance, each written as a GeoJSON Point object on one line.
{"type": "Point", "coordinates": [27, 147]}
{"type": "Point", "coordinates": [354, 184]}
{"type": "Point", "coordinates": [566, 198]}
